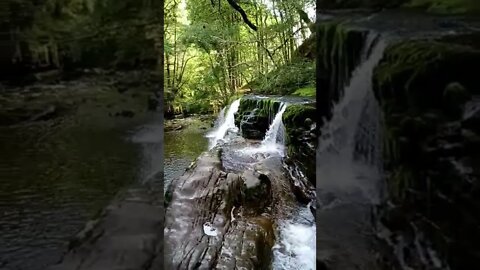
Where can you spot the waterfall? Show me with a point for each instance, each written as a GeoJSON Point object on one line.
{"type": "Point", "coordinates": [225, 122]}
{"type": "Point", "coordinates": [274, 140]}
{"type": "Point", "coordinates": [275, 137]}
{"type": "Point", "coordinates": [352, 135]}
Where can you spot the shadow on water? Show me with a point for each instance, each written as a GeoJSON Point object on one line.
{"type": "Point", "coordinates": [54, 176]}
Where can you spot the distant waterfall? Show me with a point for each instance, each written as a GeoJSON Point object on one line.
{"type": "Point", "coordinates": [225, 122]}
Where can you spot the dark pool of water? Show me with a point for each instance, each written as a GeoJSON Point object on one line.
{"type": "Point", "coordinates": [54, 176]}
{"type": "Point", "coordinates": [182, 147]}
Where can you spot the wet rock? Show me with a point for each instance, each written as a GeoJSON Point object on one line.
{"type": "Point", "coordinates": [455, 96]}
{"type": "Point", "coordinates": [308, 122]}
{"type": "Point", "coordinates": [254, 125]}
{"type": "Point", "coordinates": [301, 136]}
{"type": "Point", "coordinates": [49, 113]}
{"type": "Point", "coordinates": [48, 76]}
{"type": "Point", "coordinates": [206, 194]}
{"type": "Point", "coordinates": [472, 120]}
{"type": "Point", "coordinates": [423, 108]}
{"type": "Point", "coordinates": [125, 113]}
{"type": "Point", "coordinates": [127, 235]}
{"type": "Point", "coordinates": [313, 209]}
{"type": "Point", "coordinates": [256, 191]}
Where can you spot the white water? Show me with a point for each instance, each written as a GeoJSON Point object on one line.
{"type": "Point", "coordinates": [274, 140]}
{"type": "Point", "coordinates": [225, 123]}
{"type": "Point", "coordinates": [348, 175]}
{"type": "Point", "coordinates": [296, 246]}
{"type": "Point", "coordinates": [338, 171]}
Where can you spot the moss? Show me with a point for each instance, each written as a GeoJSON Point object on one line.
{"type": "Point", "coordinates": [308, 91]}
{"type": "Point", "coordinates": [263, 108]}
{"type": "Point", "coordinates": [295, 115]}
{"type": "Point", "coordinates": [415, 73]}
{"type": "Point", "coordinates": [339, 52]}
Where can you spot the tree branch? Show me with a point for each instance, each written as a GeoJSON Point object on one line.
{"type": "Point", "coordinates": [240, 10]}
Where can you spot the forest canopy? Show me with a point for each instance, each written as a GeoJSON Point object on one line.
{"type": "Point", "coordinates": [215, 49]}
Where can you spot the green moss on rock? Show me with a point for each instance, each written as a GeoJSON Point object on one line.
{"type": "Point", "coordinates": [295, 115]}
{"type": "Point", "coordinates": [415, 73]}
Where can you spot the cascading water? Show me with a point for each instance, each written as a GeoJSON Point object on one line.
{"type": "Point", "coordinates": [225, 123]}
{"type": "Point", "coordinates": [349, 171]}
{"type": "Point", "coordinates": [355, 116]}
{"type": "Point", "coordinates": [274, 140]}
{"type": "Point", "coordinates": [295, 246]}
{"type": "Point", "coordinates": [275, 135]}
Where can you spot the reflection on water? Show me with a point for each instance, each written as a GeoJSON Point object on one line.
{"type": "Point", "coordinates": [53, 178]}
{"type": "Point", "coordinates": [182, 147]}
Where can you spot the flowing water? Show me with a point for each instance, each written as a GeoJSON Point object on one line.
{"type": "Point", "coordinates": [295, 244]}
{"type": "Point", "coordinates": [349, 176]}
{"type": "Point", "coordinates": [225, 123]}
{"type": "Point", "coordinates": [182, 147]}
{"type": "Point", "coordinates": [56, 175]}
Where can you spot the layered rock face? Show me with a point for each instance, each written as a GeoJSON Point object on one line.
{"type": "Point", "coordinates": [219, 220]}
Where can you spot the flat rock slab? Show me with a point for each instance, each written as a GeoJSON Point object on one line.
{"type": "Point", "coordinates": [128, 235]}
{"type": "Point", "coordinates": [204, 227]}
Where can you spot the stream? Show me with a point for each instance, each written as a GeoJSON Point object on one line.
{"type": "Point", "coordinates": [294, 224]}
{"type": "Point", "coordinates": [295, 227]}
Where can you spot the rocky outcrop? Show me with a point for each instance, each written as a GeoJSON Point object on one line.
{"type": "Point", "coordinates": [428, 90]}
{"type": "Point", "coordinates": [255, 115]}
{"type": "Point", "coordinates": [301, 127]}
{"type": "Point", "coordinates": [218, 220]}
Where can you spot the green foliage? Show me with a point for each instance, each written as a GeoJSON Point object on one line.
{"type": "Point", "coordinates": [286, 79]}
{"type": "Point", "coordinates": [226, 55]}
{"type": "Point", "coordinates": [86, 32]}
{"type": "Point", "coordinates": [308, 91]}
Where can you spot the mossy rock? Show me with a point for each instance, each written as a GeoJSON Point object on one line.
{"type": "Point", "coordinates": [254, 116]}
{"type": "Point", "coordinates": [296, 114]}
{"type": "Point", "coordinates": [415, 73]}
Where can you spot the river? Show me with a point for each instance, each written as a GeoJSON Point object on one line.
{"type": "Point", "coordinates": [55, 175]}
